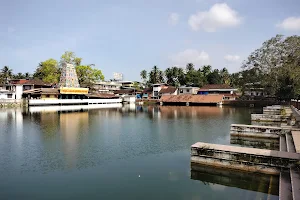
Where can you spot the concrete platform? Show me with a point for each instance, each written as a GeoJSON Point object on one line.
{"type": "Point", "coordinates": [243, 158]}
{"type": "Point", "coordinates": [285, 187]}
{"type": "Point", "coordinates": [296, 138]}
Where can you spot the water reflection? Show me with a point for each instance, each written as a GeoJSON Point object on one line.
{"type": "Point", "coordinates": [98, 150]}
{"type": "Point", "coordinates": [73, 126]}
{"type": "Point", "coordinates": [249, 181]}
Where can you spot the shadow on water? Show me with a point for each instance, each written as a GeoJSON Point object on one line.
{"type": "Point", "coordinates": [249, 181]}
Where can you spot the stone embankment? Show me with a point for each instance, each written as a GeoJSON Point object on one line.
{"type": "Point", "coordinates": [276, 149]}
{"type": "Point", "coordinates": [11, 103]}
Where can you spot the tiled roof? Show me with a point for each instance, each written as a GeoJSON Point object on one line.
{"type": "Point", "coordinates": [215, 86]}
{"type": "Point", "coordinates": [147, 90]}
{"type": "Point", "coordinates": [42, 91]}
{"type": "Point", "coordinates": [29, 82]}
{"type": "Point", "coordinates": [169, 89]}
{"type": "Point", "coordinates": [192, 98]}
{"type": "Point", "coordinates": [125, 91]}
{"type": "Point", "coordinates": [102, 95]}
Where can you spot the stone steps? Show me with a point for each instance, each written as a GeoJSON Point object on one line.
{"type": "Point", "coordinates": [282, 143]}
{"type": "Point", "coordinates": [290, 143]}
{"type": "Point", "coordinates": [295, 182]}
{"type": "Point", "coordinates": [285, 187]}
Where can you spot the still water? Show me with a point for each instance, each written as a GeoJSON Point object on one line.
{"type": "Point", "coordinates": [120, 153]}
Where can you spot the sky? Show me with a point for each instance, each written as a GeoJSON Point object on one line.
{"type": "Point", "coordinates": [129, 36]}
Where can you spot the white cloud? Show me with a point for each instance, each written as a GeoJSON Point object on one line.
{"type": "Point", "coordinates": [290, 24]}
{"type": "Point", "coordinates": [173, 19]}
{"type": "Point", "coordinates": [232, 58]}
{"type": "Point", "coordinates": [218, 16]}
{"type": "Point", "coordinates": [190, 56]}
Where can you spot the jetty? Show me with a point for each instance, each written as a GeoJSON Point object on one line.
{"type": "Point", "coordinates": [268, 150]}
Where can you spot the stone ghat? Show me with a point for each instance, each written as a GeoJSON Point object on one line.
{"type": "Point", "coordinates": [243, 158]}
{"type": "Point", "coordinates": [241, 130]}
{"type": "Point", "coordinates": [270, 118]}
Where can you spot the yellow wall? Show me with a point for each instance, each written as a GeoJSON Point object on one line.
{"type": "Point", "coordinates": [51, 96]}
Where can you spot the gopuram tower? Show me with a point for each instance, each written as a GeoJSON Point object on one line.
{"type": "Point", "coordinates": [68, 77]}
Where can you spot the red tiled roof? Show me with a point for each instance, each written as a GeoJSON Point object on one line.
{"type": "Point", "coordinates": [42, 91]}
{"type": "Point", "coordinates": [192, 98]}
{"type": "Point", "coordinates": [29, 82]}
{"type": "Point", "coordinates": [169, 89]}
{"type": "Point", "coordinates": [147, 90]}
{"type": "Point", "coordinates": [101, 95]}
{"type": "Point", "coordinates": [125, 91]}
{"type": "Point", "coordinates": [215, 86]}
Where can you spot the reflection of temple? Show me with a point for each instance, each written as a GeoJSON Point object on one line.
{"type": "Point", "coordinates": [72, 127]}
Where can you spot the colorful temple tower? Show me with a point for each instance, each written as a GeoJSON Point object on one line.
{"type": "Point", "coordinates": [68, 76]}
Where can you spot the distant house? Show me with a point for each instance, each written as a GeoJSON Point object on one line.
{"type": "Point", "coordinates": [107, 87]}
{"type": "Point", "coordinates": [15, 88]}
{"type": "Point", "coordinates": [127, 84]}
{"type": "Point", "coordinates": [168, 91]}
{"type": "Point", "coordinates": [147, 93]}
{"type": "Point", "coordinates": [254, 89]}
{"type": "Point", "coordinates": [124, 92]}
{"type": "Point", "coordinates": [156, 89]}
{"type": "Point", "coordinates": [187, 90]}
{"type": "Point", "coordinates": [216, 89]}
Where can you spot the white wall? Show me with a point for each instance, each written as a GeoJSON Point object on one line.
{"type": "Point", "coordinates": [72, 101]}
{"type": "Point", "coordinates": [19, 91]}
{"type": "Point", "coordinates": [188, 90]}
{"type": "Point", "coordinates": [156, 90]}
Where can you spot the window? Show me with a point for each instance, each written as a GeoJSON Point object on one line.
{"type": "Point", "coordinates": [181, 91]}
{"type": "Point", "coordinates": [187, 90]}
{"type": "Point", "coordinates": [9, 96]}
{"type": "Point", "coordinates": [47, 95]}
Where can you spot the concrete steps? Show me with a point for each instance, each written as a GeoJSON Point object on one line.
{"type": "Point", "coordinates": [282, 143]}
{"type": "Point", "coordinates": [289, 181]}
{"type": "Point", "coordinates": [285, 187]}
{"type": "Point", "coordinates": [295, 182]}
{"type": "Point", "coordinates": [290, 143]}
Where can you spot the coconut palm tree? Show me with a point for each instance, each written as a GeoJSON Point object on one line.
{"type": "Point", "coordinates": [6, 74]}
{"type": "Point", "coordinates": [144, 75]}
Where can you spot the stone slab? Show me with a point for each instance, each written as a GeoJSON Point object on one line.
{"type": "Point", "coordinates": [246, 150]}
{"type": "Point", "coordinates": [296, 138]}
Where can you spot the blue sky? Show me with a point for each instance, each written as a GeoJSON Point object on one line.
{"type": "Point", "coordinates": [132, 35]}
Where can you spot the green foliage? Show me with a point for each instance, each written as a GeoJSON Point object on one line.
{"type": "Point", "coordinates": [144, 75]}
{"type": "Point", "coordinates": [156, 76]}
{"type": "Point", "coordinates": [70, 57]}
{"type": "Point", "coordinates": [276, 66]}
{"type": "Point", "coordinates": [48, 71]}
{"type": "Point", "coordinates": [177, 76]}
{"type": "Point", "coordinates": [87, 75]}
{"type": "Point", "coordinates": [5, 74]}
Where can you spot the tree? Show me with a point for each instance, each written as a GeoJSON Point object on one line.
{"type": "Point", "coordinates": [225, 76]}
{"type": "Point", "coordinates": [48, 71]}
{"type": "Point", "coordinates": [87, 75]}
{"type": "Point", "coordinates": [6, 74]}
{"type": "Point", "coordinates": [19, 76]}
{"type": "Point", "coordinates": [144, 75]}
{"type": "Point", "coordinates": [278, 61]}
{"type": "Point", "coordinates": [156, 75]}
{"type": "Point", "coordinates": [70, 57]}
{"type": "Point", "coordinates": [190, 67]}
{"type": "Point", "coordinates": [214, 77]}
